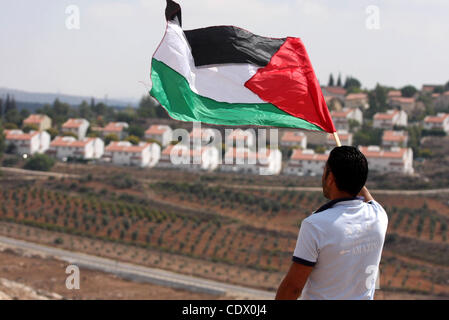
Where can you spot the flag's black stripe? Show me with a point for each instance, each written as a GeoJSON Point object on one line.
{"type": "Point", "coordinates": [229, 44]}
{"type": "Point", "coordinates": [173, 12]}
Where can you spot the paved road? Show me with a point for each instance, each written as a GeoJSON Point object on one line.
{"type": "Point", "coordinates": [140, 273]}
{"type": "Point", "coordinates": [316, 189]}
{"type": "Point", "coordinates": [38, 173]}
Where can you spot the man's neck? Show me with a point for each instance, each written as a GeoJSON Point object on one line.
{"type": "Point", "coordinates": [340, 195]}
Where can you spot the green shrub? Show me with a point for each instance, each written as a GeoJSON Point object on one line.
{"type": "Point", "coordinates": [39, 162]}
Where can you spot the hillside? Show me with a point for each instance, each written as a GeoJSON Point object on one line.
{"type": "Point", "coordinates": [31, 99]}
{"type": "Point", "coordinates": [236, 235]}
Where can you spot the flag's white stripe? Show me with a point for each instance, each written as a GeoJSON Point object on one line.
{"type": "Point", "coordinates": [223, 83]}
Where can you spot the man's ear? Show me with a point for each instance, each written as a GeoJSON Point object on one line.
{"type": "Point", "coordinates": [330, 177]}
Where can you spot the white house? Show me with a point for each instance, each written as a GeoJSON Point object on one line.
{"type": "Point", "coordinates": [263, 162]}
{"type": "Point", "coordinates": [398, 160]}
{"type": "Point", "coordinates": [438, 122]}
{"type": "Point", "coordinates": [346, 139]}
{"type": "Point", "coordinates": [443, 100]}
{"type": "Point", "coordinates": [336, 92]}
{"type": "Point", "coordinates": [117, 128]}
{"type": "Point", "coordinates": [182, 157]}
{"type": "Point", "coordinates": [123, 153]}
{"type": "Point", "coordinates": [390, 119]}
{"type": "Point", "coordinates": [241, 138]}
{"type": "Point", "coordinates": [27, 143]}
{"type": "Point", "coordinates": [333, 103]}
{"type": "Point", "coordinates": [393, 94]}
{"type": "Point", "coordinates": [341, 118]}
{"type": "Point", "coordinates": [161, 133]}
{"type": "Point", "coordinates": [429, 88]}
{"type": "Point", "coordinates": [203, 137]}
{"type": "Point", "coordinates": [403, 103]}
{"type": "Point", "coordinates": [306, 162]}
{"type": "Point", "coordinates": [77, 126]}
{"type": "Point", "coordinates": [357, 100]}
{"type": "Point", "coordinates": [68, 147]}
{"type": "Point", "coordinates": [392, 138]}
{"type": "Point", "coordinates": [294, 139]}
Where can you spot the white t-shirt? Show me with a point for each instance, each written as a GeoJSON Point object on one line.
{"type": "Point", "coordinates": [344, 243]}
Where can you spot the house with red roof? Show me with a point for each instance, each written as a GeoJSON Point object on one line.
{"type": "Point", "coordinates": [161, 133]}
{"type": "Point", "coordinates": [295, 139]}
{"type": "Point", "coordinates": [438, 122]}
{"type": "Point", "coordinates": [200, 137]}
{"type": "Point", "coordinates": [77, 126]}
{"type": "Point", "coordinates": [392, 138]}
{"type": "Point", "coordinates": [342, 118]}
{"type": "Point", "coordinates": [390, 119]}
{"type": "Point", "coordinates": [183, 157]}
{"type": "Point", "coordinates": [357, 100]}
{"type": "Point", "coordinates": [403, 103]}
{"type": "Point", "coordinates": [240, 138]}
{"type": "Point", "coordinates": [394, 94]}
{"type": "Point", "coordinates": [394, 160]}
{"type": "Point", "coordinates": [336, 92]}
{"type": "Point", "coordinates": [346, 139]}
{"type": "Point", "coordinates": [29, 143]}
{"type": "Point", "coordinates": [306, 163]}
{"type": "Point", "coordinates": [441, 100]}
{"type": "Point", "coordinates": [123, 153]}
{"type": "Point", "coordinates": [116, 128]}
{"type": "Point", "coordinates": [261, 162]}
{"type": "Point", "coordinates": [68, 147]}
{"type": "Point", "coordinates": [40, 121]}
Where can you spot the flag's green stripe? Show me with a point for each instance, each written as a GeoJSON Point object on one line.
{"type": "Point", "coordinates": [173, 91]}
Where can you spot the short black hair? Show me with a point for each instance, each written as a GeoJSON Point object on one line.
{"type": "Point", "coordinates": [350, 169]}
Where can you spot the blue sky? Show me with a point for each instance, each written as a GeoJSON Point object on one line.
{"type": "Point", "coordinates": [110, 54]}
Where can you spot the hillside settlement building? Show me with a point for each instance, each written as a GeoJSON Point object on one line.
{"type": "Point", "coordinates": [357, 100]}
{"type": "Point", "coordinates": [406, 104]}
{"type": "Point", "coordinates": [438, 122]}
{"type": "Point", "coordinates": [68, 147]}
{"type": "Point", "coordinates": [182, 157]}
{"type": "Point", "coordinates": [40, 121]}
{"type": "Point", "coordinates": [336, 92]}
{"type": "Point", "coordinates": [342, 118]}
{"type": "Point", "coordinates": [392, 138]}
{"type": "Point", "coordinates": [116, 128]}
{"type": "Point", "coordinates": [123, 153]}
{"type": "Point", "coordinates": [27, 143]}
{"type": "Point", "coordinates": [345, 139]}
{"type": "Point", "coordinates": [294, 139]}
{"type": "Point", "coordinates": [397, 160]}
{"type": "Point", "coordinates": [204, 137]}
{"type": "Point", "coordinates": [391, 118]}
{"type": "Point", "coordinates": [241, 138]}
{"type": "Point", "coordinates": [160, 133]}
{"type": "Point", "coordinates": [306, 163]}
{"type": "Point", "coordinates": [77, 126]}
{"type": "Point", "coordinates": [263, 162]}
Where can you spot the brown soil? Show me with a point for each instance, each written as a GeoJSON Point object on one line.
{"type": "Point", "coordinates": [45, 274]}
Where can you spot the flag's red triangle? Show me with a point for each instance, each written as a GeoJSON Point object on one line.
{"type": "Point", "coordinates": [289, 83]}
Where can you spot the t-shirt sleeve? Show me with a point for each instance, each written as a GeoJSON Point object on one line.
{"type": "Point", "coordinates": [307, 246]}
{"type": "Point", "coordinates": [378, 208]}
{"type": "Point", "coordinates": [377, 205]}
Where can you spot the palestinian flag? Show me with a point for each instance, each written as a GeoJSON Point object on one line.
{"type": "Point", "coordinates": [225, 75]}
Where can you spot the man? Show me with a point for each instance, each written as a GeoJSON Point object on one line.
{"type": "Point", "coordinates": [339, 247]}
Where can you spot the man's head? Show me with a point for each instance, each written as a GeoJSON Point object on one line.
{"type": "Point", "coordinates": [345, 173]}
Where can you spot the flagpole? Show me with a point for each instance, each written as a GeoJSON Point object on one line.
{"type": "Point", "coordinates": [337, 139]}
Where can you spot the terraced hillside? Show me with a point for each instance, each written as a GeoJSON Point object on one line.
{"type": "Point", "coordinates": [190, 224]}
